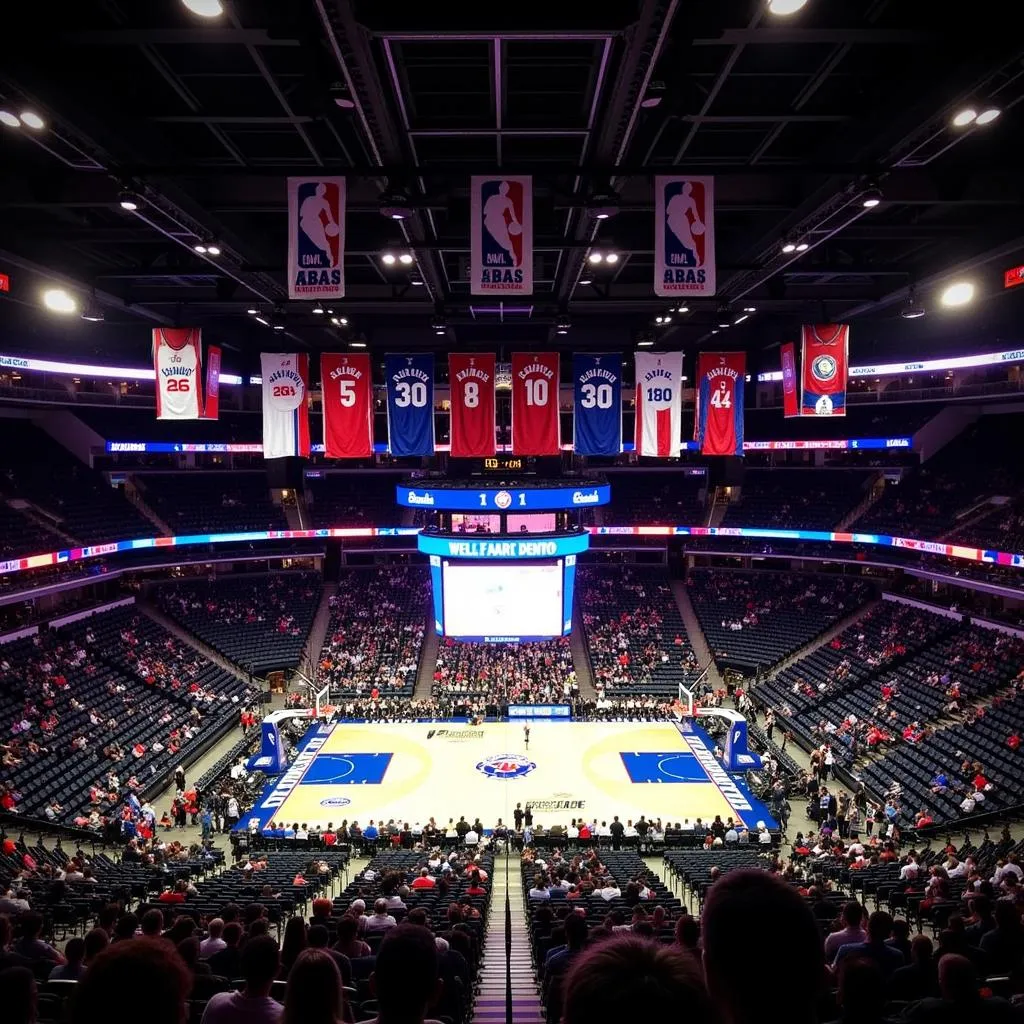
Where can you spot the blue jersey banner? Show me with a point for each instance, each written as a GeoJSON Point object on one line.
{"type": "Point", "coordinates": [410, 387]}
{"type": "Point", "coordinates": [597, 404]}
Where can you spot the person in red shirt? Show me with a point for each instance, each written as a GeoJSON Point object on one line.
{"type": "Point", "coordinates": [584, 831]}
{"type": "Point", "coordinates": [175, 895]}
{"type": "Point", "coordinates": [425, 880]}
{"type": "Point", "coordinates": [1013, 742]}
{"type": "Point", "coordinates": [476, 886]}
{"type": "Point", "coordinates": [980, 782]}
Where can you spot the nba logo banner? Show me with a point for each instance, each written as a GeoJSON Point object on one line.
{"type": "Point", "coordinates": [501, 249]}
{"type": "Point", "coordinates": [684, 236]}
{"type": "Point", "coordinates": [285, 404]}
{"type": "Point", "coordinates": [719, 422]}
{"type": "Point", "coordinates": [789, 403]}
{"type": "Point", "coordinates": [535, 427]}
{"type": "Point", "coordinates": [410, 387]}
{"type": "Point", "coordinates": [597, 404]}
{"type": "Point", "coordinates": [825, 362]}
{"type": "Point", "coordinates": [346, 382]}
{"type": "Point", "coordinates": [659, 403]}
{"type": "Point", "coordinates": [316, 238]}
{"type": "Point", "coordinates": [212, 409]}
{"type": "Point", "coordinates": [471, 383]}
{"type": "Point", "coordinates": [178, 363]}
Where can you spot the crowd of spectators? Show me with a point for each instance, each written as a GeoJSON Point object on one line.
{"type": "Point", "coordinates": [212, 502]}
{"type": "Point", "coordinates": [526, 673]}
{"type": "Point", "coordinates": [375, 632]}
{"type": "Point", "coordinates": [799, 499]}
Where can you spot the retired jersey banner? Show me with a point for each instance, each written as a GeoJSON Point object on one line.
{"type": "Point", "coordinates": [535, 427]}
{"type": "Point", "coordinates": [789, 402]}
{"type": "Point", "coordinates": [211, 411]}
{"type": "Point", "coordinates": [285, 404]}
{"type": "Point", "coordinates": [719, 421]}
{"type": "Point", "coordinates": [410, 390]}
{"type": "Point", "coordinates": [471, 380]}
{"type": "Point", "coordinates": [824, 366]}
{"type": "Point", "coordinates": [597, 404]}
{"type": "Point", "coordinates": [659, 403]}
{"type": "Point", "coordinates": [684, 236]}
{"type": "Point", "coordinates": [501, 247]}
{"type": "Point", "coordinates": [178, 364]}
{"type": "Point", "coordinates": [346, 382]}
{"type": "Point", "coordinates": [316, 238]}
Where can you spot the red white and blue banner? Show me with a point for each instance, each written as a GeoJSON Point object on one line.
{"type": "Point", "coordinates": [346, 382]}
{"type": "Point", "coordinates": [501, 225]}
{"type": "Point", "coordinates": [211, 410]}
{"type": "Point", "coordinates": [471, 388]}
{"type": "Point", "coordinates": [285, 404]}
{"type": "Point", "coordinates": [789, 403]}
{"type": "Point", "coordinates": [684, 236]}
{"type": "Point", "coordinates": [659, 403]}
{"type": "Point", "coordinates": [316, 238]}
{"type": "Point", "coordinates": [535, 427]}
{"type": "Point", "coordinates": [718, 426]}
{"type": "Point", "coordinates": [825, 361]}
{"type": "Point", "coordinates": [410, 393]}
{"type": "Point", "coordinates": [178, 365]}
{"type": "Point", "coordinates": [597, 404]}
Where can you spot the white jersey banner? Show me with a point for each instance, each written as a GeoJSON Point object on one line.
{"type": "Point", "coordinates": [316, 238]}
{"type": "Point", "coordinates": [501, 246]}
{"type": "Point", "coordinates": [178, 362]}
{"type": "Point", "coordinates": [659, 403]}
{"type": "Point", "coordinates": [684, 236]}
{"type": "Point", "coordinates": [285, 404]}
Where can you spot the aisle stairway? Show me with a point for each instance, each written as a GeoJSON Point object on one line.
{"type": "Point", "coordinates": [490, 1003]}
{"type": "Point", "coordinates": [581, 657]}
{"type": "Point", "coordinates": [318, 631]}
{"type": "Point", "coordinates": [428, 660]}
{"type": "Point", "coordinates": [695, 634]}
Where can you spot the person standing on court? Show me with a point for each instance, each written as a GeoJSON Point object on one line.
{"type": "Point", "coordinates": [617, 829]}
{"type": "Point", "coordinates": [517, 815]}
{"type": "Point", "coordinates": [528, 816]}
{"type": "Point", "coordinates": [526, 737]}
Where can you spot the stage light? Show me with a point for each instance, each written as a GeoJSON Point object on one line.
{"type": "Point", "coordinates": [212, 249]}
{"type": "Point", "coordinates": [129, 200]}
{"type": "Point", "coordinates": [645, 343]}
{"type": "Point", "coordinates": [871, 198]}
{"type": "Point", "coordinates": [92, 312]}
{"type": "Point", "coordinates": [394, 204]}
{"type": "Point", "coordinates": [562, 324]}
{"type": "Point", "coordinates": [252, 311]}
{"type": "Point", "coordinates": [612, 257]}
{"type": "Point", "coordinates": [416, 282]}
{"type": "Point", "coordinates": [338, 91]}
{"type": "Point", "coordinates": [801, 247]}
{"type": "Point", "coordinates": [987, 116]}
{"type": "Point", "coordinates": [962, 118]}
{"type": "Point", "coordinates": [654, 95]}
{"type": "Point", "coordinates": [59, 300]}
{"type": "Point", "coordinates": [682, 309]}
{"type": "Point", "coordinates": [783, 8]}
{"type": "Point", "coordinates": [405, 258]}
{"type": "Point", "coordinates": [957, 294]}
{"type": "Point", "coordinates": [750, 309]}
{"type": "Point", "coordinates": [204, 8]}
{"type": "Point", "coordinates": [388, 258]}
{"type": "Point", "coordinates": [788, 247]}
{"type": "Point", "coordinates": [32, 120]}
{"type": "Point", "coordinates": [604, 204]}
{"type": "Point", "coordinates": [318, 310]}
{"type": "Point", "coordinates": [584, 281]}
{"type": "Point", "coordinates": [9, 119]}
{"type": "Point", "coordinates": [595, 257]}
{"type": "Point", "coordinates": [912, 310]}
{"type": "Point", "coordinates": [199, 247]}
{"type": "Point", "coordinates": [740, 319]}
{"type": "Point", "coordinates": [357, 344]}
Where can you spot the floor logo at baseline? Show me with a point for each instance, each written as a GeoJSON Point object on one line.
{"type": "Point", "coordinates": [506, 766]}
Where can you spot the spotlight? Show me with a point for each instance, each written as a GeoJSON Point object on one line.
{"type": "Point", "coordinates": [59, 300]}
{"type": "Point", "coordinates": [740, 319]}
{"type": "Point", "coordinates": [912, 311]}
{"type": "Point", "coordinates": [724, 315]}
{"type": "Point", "coordinates": [9, 119]}
{"type": "Point", "coordinates": [957, 294]}
{"type": "Point", "coordinates": [32, 120]}
{"type": "Point", "coordinates": [277, 319]}
{"type": "Point", "coordinates": [129, 200]}
{"type": "Point", "coordinates": [659, 319]}
{"type": "Point", "coordinates": [357, 344]}
{"type": "Point", "coordinates": [405, 258]}
{"type": "Point", "coordinates": [338, 92]}
{"type": "Point", "coordinates": [962, 118]}
{"type": "Point", "coordinates": [440, 326]}
{"type": "Point", "coordinates": [871, 198]}
{"type": "Point", "coordinates": [801, 247]}
{"type": "Point", "coordinates": [595, 257]}
{"type": "Point", "coordinates": [654, 95]}
{"type": "Point", "coordinates": [252, 311]}
{"type": "Point", "coordinates": [789, 247]}
{"type": "Point", "coordinates": [645, 343]}
{"type": "Point", "coordinates": [199, 247]}
{"type": "Point", "coordinates": [750, 309]}
{"type": "Point", "coordinates": [263, 320]}
{"type": "Point", "coordinates": [987, 116]}
{"type": "Point", "coordinates": [604, 204]}
{"type": "Point", "coordinates": [416, 282]}
{"type": "Point", "coordinates": [584, 281]}
{"type": "Point", "coordinates": [212, 249]}
{"type": "Point", "coordinates": [343, 320]}
{"type": "Point", "coordinates": [562, 324]}
{"type": "Point", "coordinates": [612, 257]}
{"type": "Point", "coordinates": [682, 309]}
{"type": "Point", "coordinates": [782, 8]}
{"type": "Point", "coordinates": [394, 204]}
{"type": "Point", "coordinates": [318, 310]}
{"type": "Point", "coordinates": [92, 312]}
{"type": "Point", "coordinates": [388, 258]}
{"type": "Point", "coordinates": [205, 8]}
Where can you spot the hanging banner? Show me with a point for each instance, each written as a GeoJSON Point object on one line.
{"type": "Point", "coordinates": [718, 425]}
{"type": "Point", "coordinates": [535, 426]}
{"type": "Point", "coordinates": [789, 402]}
{"type": "Point", "coordinates": [178, 364]}
{"type": "Point", "coordinates": [684, 236]}
{"type": "Point", "coordinates": [471, 382]}
{"type": "Point", "coordinates": [597, 404]}
{"type": "Point", "coordinates": [211, 411]}
{"type": "Point", "coordinates": [824, 362]}
{"type": "Point", "coordinates": [501, 247]}
{"type": "Point", "coordinates": [659, 403]}
{"type": "Point", "coordinates": [316, 238]}
{"type": "Point", "coordinates": [285, 378]}
{"type": "Point", "coordinates": [346, 382]}
{"type": "Point", "coordinates": [410, 390]}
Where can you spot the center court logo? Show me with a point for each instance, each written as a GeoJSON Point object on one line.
{"type": "Point", "coordinates": [506, 766]}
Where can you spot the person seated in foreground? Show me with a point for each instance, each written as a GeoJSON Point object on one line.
{"type": "Point", "coordinates": [405, 981]}
{"type": "Point", "coordinates": [261, 961]}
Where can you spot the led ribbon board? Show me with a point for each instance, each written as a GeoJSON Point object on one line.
{"type": "Point", "coordinates": [515, 499]}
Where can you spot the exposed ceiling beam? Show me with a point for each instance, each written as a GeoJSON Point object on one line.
{"type": "Point", "coordinates": [816, 37]}
{"type": "Point", "coordinates": [205, 36]}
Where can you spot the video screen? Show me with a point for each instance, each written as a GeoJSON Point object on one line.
{"type": "Point", "coordinates": [503, 600]}
{"type": "Point", "coordinates": [542, 522]}
{"type": "Point", "coordinates": [462, 523]}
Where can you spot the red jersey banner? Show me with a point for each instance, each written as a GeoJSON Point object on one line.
{"type": "Point", "coordinates": [719, 422]}
{"type": "Point", "coordinates": [535, 429]}
{"type": "Point", "coordinates": [211, 411]}
{"type": "Point", "coordinates": [347, 383]}
{"type": "Point", "coordinates": [471, 379]}
{"type": "Point", "coordinates": [825, 363]}
{"type": "Point", "coordinates": [178, 363]}
{"type": "Point", "coordinates": [789, 404]}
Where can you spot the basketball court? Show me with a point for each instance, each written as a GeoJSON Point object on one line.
{"type": "Point", "coordinates": [414, 771]}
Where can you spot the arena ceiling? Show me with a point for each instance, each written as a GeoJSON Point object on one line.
{"type": "Point", "coordinates": [794, 117]}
